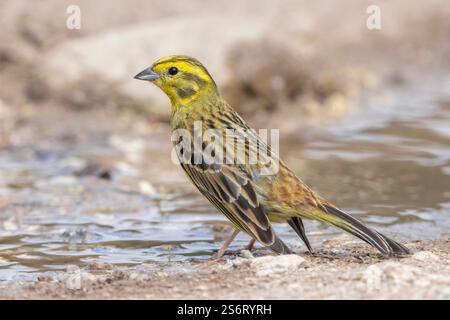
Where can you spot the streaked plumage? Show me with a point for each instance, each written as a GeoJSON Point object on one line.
{"type": "Point", "coordinates": [248, 198]}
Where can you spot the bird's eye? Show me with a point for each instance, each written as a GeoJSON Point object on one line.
{"type": "Point", "coordinates": [173, 71]}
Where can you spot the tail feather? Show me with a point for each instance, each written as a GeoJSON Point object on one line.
{"type": "Point", "coordinates": [279, 247]}
{"type": "Point", "coordinates": [396, 247]}
{"type": "Point", "coordinates": [296, 223]}
{"type": "Point", "coordinates": [344, 221]}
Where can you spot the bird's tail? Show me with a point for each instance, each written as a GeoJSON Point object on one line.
{"type": "Point", "coordinates": [346, 222]}
{"type": "Point", "coordinates": [279, 247]}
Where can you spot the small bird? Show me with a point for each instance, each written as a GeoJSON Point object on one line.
{"type": "Point", "coordinates": [247, 195]}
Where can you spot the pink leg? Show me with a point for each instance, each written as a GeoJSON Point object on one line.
{"type": "Point", "coordinates": [251, 244]}
{"type": "Point", "coordinates": [225, 245]}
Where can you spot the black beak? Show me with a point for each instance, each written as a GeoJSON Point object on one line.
{"type": "Point", "coordinates": [147, 75]}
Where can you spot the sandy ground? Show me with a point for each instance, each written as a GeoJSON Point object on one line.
{"type": "Point", "coordinates": [342, 269]}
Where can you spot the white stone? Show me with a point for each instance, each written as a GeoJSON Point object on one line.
{"type": "Point", "coordinates": [60, 180]}
{"type": "Point", "coordinates": [393, 275]}
{"type": "Point", "coordinates": [146, 188]}
{"type": "Point", "coordinates": [268, 265]}
{"type": "Point", "coordinates": [246, 254]}
{"type": "Point", "coordinates": [425, 256]}
{"type": "Point", "coordinates": [118, 55]}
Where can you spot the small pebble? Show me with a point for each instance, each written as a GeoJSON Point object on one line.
{"type": "Point", "coordinates": [44, 278]}
{"type": "Point", "coordinates": [98, 265]}
{"type": "Point", "coordinates": [246, 254]}
{"type": "Point", "coordinates": [425, 256]}
{"type": "Point", "coordinates": [268, 265]}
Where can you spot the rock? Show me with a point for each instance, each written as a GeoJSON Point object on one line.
{"type": "Point", "coordinates": [391, 274]}
{"type": "Point", "coordinates": [44, 278]}
{"type": "Point", "coordinates": [145, 187]}
{"type": "Point", "coordinates": [105, 56]}
{"type": "Point", "coordinates": [230, 264]}
{"type": "Point", "coordinates": [59, 180]}
{"type": "Point", "coordinates": [269, 265]}
{"type": "Point", "coordinates": [73, 282]}
{"type": "Point", "coordinates": [99, 266]}
{"type": "Point", "coordinates": [400, 278]}
{"type": "Point", "coordinates": [87, 277]}
{"type": "Point", "coordinates": [264, 266]}
{"type": "Point", "coordinates": [246, 254]}
{"type": "Point", "coordinates": [425, 256]}
{"type": "Point", "coordinates": [95, 169]}
{"type": "Point", "coordinates": [11, 224]}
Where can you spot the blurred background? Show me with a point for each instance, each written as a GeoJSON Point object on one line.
{"type": "Point", "coordinates": [85, 170]}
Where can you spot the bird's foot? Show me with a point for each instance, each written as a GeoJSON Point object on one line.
{"type": "Point", "coordinates": [229, 253]}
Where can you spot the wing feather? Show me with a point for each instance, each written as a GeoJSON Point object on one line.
{"type": "Point", "coordinates": [231, 191]}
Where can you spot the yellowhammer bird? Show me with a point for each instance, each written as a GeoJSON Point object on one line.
{"type": "Point", "coordinates": [247, 195]}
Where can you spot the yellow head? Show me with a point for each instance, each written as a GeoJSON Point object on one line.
{"type": "Point", "coordinates": [184, 79]}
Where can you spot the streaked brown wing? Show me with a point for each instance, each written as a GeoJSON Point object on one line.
{"type": "Point", "coordinates": [230, 190]}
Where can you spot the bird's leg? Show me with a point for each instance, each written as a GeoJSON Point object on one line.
{"type": "Point", "coordinates": [251, 244]}
{"type": "Point", "coordinates": [225, 245]}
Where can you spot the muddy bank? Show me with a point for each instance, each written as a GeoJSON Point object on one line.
{"type": "Point", "coordinates": [343, 269]}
